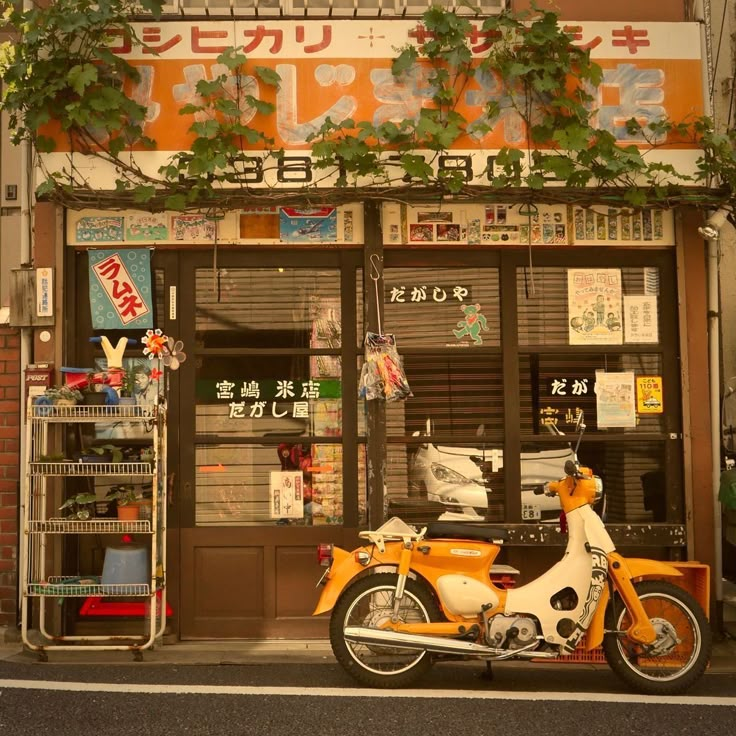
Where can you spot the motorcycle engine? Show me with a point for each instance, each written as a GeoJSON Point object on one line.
{"type": "Point", "coordinates": [511, 632]}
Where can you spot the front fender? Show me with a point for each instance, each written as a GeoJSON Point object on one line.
{"type": "Point", "coordinates": [343, 571]}
{"type": "Point", "coordinates": [638, 568]}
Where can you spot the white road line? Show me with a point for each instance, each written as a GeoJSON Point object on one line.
{"type": "Point", "coordinates": [110, 687]}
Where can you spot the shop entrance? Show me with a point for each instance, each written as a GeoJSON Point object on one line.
{"type": "Point", "coordinates": [267, 436]}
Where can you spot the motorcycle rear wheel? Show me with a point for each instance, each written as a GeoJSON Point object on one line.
{"type": "Point", "coordinates": [369, 603]}
{"type": "Point", "coordinates": [681, 651]}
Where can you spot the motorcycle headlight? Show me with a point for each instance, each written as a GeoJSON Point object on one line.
{"type": "Point", "coordinates": [446, 475]}
{"type": "Point", "coordinates": [598, 488]}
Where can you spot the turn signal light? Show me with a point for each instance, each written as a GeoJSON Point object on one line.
{"type": "Point", "coordinates": [324, 554]}
{"type": "Point", "coordinates": [362, 557]}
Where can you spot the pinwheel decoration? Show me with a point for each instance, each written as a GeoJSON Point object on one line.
{"type": "Point", "coordinates": [158, 345]}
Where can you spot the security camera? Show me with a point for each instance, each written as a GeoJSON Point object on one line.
{"type": "Point", "coordinates": [713, 225]}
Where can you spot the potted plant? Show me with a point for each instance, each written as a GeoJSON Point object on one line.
{"type": "Point", "coordinates": [126, 500]}
{"type": "Point", "coordinates": [81, 506]}
{"type": "Point", "coordinates": [63, 395]}
{"type": "Point", "coordinates": [127, 388]}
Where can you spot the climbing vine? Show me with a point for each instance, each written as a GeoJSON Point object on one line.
{"type": "Point", "coordinates": [62, 78]}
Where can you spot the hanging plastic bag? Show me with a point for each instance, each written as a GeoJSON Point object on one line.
{"type": "Point", "coordinates": [382, 376]}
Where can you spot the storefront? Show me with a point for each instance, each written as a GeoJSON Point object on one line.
{"type": "Point", "coordinates": [511, 321]}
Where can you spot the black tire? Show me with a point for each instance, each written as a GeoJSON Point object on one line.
{"type": "Point", "coordinates": [368, 602]}
{"type": "Point", "coordinates": [674, 613]}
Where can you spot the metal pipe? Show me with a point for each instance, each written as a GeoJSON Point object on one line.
{"type": "Point", "coordinates": [26, 333]}
{"type": "Point", "coordinates": [714, 360]}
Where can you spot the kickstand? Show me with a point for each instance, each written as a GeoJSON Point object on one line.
{"type": "Point", "coordinates": [488, 674]}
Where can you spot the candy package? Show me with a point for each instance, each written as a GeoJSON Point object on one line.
{"type": "Point", "coordinates": [383, 374]}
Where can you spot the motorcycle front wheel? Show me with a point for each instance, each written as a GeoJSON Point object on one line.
{"type": "Point", "coordinates": [370, 603]}
{"type": "Point", "coordinates": [680, 654]}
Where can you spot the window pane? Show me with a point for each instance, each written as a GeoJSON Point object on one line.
{"type": "Point", "coordinates": [440, 307]}
{"type": "Point", "coordinates": [633, 478]}
{"type": "Point", "coordinates": [544, 315]}
{"type": "Point", "coordinates": [235, 486]}
{"type": "Point", "coordinates": [462, 396]}
{"type": "Point", "coordinates": [268, 308]}
{"type": "Point", "coordinates": [432, 479]}
{"type": "Point", "coordinates": [554, 388]}
{"type": "Point", "coordinates": [279, 395]}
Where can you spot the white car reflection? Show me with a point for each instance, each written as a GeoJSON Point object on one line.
{"type": "Point", "coordinates": [460, 478]}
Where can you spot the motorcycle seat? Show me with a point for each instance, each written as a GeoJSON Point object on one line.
{"type": "Point", "coordinates": [464, 530]}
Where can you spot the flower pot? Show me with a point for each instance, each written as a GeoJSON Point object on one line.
{"type": "Point", "coordinates": [94, 398]}
{"type": "Point", "coordinates": [129, 512]}
{"type": "Point", "coordinates": [64, 402]}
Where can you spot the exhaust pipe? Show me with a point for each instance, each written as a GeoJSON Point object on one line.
{"type": "Point", "coordinates": [437, 644]}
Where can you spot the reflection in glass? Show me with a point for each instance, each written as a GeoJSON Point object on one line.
{"type": "Point", "coordinates": [236, 483]}
{"type": "Point", "coordinates": [430, 480]}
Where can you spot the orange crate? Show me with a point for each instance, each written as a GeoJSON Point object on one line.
{"type": "Point", "coordinates": [695, 580]}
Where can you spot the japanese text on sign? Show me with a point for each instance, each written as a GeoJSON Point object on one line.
{"type": "Point", "coordinates": [428, 293]}
{"type": "Point", "coordinates": [119, 287]}
{"type": "Point", "coordinates": [297, 392]}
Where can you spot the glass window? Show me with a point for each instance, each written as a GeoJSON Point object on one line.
{"type": "Point", "coordinates": [247, 484]}
{"type": "Point", "coordinates": [457, 395]}
{"type": "Point", "coordinates": [447, 307]}
{"type": "Point", "coordinates": [268, 308]}
{"type": "Point", "coordinates": [555, 388]}
{"type": "Point", "coordinates": [546, 302]}
{"type": "Point", "coordinates": [431, 479]}
{"type": "Point", "coordinates": [249, 395]}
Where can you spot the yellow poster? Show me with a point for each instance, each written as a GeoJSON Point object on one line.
{"type": "Point", "coordinates": [649, 395]}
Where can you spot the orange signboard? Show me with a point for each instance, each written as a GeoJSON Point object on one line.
{"type": "Point", "coordinates": [342, 70]}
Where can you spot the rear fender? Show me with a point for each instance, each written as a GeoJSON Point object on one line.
{"type": "Point", "coordinates": [639, 568]}
{"type": "Point", "coordinates": [343, 572]}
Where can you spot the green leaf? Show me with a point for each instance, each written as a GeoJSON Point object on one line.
{"type": "Point", "coordinates": [81, 76]}
{"type": "Point", "coordinates": [177, 202]}
{"type": "Point", "coordinates": [268, 76]}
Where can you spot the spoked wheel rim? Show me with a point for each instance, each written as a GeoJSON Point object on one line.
{"type": "Point", "coordinates": [374, 609]}
{"type": "Point", "coordinates": [678, 644]}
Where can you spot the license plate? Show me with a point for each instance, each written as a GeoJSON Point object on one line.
{"type": "Point", "coordinates": [530, 512]}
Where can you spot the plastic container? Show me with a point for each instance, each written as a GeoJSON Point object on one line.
{"type": "Point", "coordinates": [126, 565]}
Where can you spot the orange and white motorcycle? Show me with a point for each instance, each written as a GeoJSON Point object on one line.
{"type": "Point", "coordinates": [409, 597]}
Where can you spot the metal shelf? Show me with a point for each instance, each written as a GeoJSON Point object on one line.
{"type": "Point", "coordinates": [89, 526]}
{"type": "Point", "coordinates": [76, 469]}
{"type": "Point", "coordinates": [42, 556]}
{"type": "Point", "coordinates": [76, 587]}
{"type": "Point", "coordinates": [93, 413]}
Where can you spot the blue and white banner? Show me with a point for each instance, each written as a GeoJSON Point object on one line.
{"type": "Point", "coordinates": [120, 294]}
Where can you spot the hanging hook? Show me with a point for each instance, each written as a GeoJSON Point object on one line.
{"type": "Point", "coordinates": [375, 266]}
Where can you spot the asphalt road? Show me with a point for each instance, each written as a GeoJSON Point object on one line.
{"type": "Point", "coordinates": [319, 700]}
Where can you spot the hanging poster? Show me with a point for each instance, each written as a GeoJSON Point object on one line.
{"type": "Point", "coordinates": [286, 496]}
{"type": "Point", "coordinates": [640, 319]}
{"type": "Point", "coordinates": [615, 399]}
{"type": "Point", "coordinates": [194, 228]}
{"type": "Point", "coordinates": [107, 229]}
{"type": "Point", "coordinates": [312, 225]}
{"type": "Point", "coordinates": [146, 227]}
{"type": "Point", "coordinates": [649, 395]}
{"type": "Point", "coordinates": [594, 306]}
{"type": "Point", "coordinates": [120, 295]}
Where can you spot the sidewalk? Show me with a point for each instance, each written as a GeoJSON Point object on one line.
{"type": "Point", "coordinates": [305, 651]}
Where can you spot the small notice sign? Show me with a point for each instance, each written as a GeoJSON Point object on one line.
{"type": "Point", "coordinates": [649, 399]}
{"type": "Point", "coordinates": [287, 495]}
